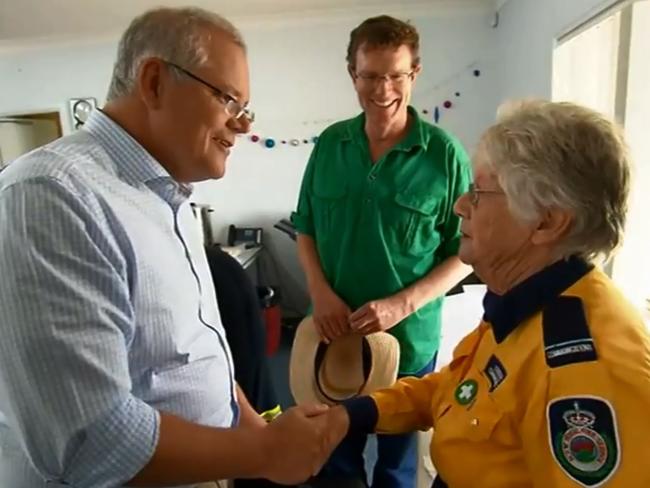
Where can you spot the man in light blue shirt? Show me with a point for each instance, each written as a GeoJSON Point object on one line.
{"type": "Point", "coordinates": [114, 368]}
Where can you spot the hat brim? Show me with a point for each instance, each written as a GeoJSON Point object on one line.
{"type": "Point", "coordinates": [384, 349]}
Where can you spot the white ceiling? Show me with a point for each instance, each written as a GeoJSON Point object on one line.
{"type": "Point", "coordinates": [24, 20]}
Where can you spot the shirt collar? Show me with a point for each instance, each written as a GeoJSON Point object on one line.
{"type": "Point", "coordinates": [417, 136]}
{"type": "Point", "coordinates": [506, 312]}
{"type": "Point", "coordinates": [134, 164]}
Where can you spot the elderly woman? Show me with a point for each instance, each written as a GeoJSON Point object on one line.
{"type": "Point", "coordinates": [553, 387]}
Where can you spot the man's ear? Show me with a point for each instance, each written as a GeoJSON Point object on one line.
{"type": "Point", "coordinates": [151, 82]}
{"type": "Point", "coordinates": [554, 225]}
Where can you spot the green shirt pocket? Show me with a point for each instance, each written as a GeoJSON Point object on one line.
{"type": "Point", "coordinates": [418, 217]}
{"type": "Point", "coordinates": [329, 206]}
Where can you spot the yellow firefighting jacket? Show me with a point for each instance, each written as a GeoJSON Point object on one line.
{"type": "Point", "coordinates": [551, 390]}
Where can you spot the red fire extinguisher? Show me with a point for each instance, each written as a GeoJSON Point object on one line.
{"type": "Point", "coordinates": [269, 299]}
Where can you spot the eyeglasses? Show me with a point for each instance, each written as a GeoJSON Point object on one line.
{"type": "Point", "coordinates": [474, 193]}
{"type": "Point", "coordinates": [394, 79]}
{"type": "Point", "coordinates": [232, 106]}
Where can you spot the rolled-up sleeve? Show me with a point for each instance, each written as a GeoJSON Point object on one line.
{"type": "Point", "coordinates": [66, 322]}
{"type": "Point", "coordinates": [303, 218]}
{"type": "Point", "coordinates": [460, 176]}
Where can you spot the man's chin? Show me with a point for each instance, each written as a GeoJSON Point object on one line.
{"type": "Point", "coordinates": [218, 169]}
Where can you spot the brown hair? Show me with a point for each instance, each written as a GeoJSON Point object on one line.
{"type": "Point", "coordinates": [383, 31]}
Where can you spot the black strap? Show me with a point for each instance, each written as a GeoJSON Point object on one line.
{"type": "Point", "coordinates": [366, 357]}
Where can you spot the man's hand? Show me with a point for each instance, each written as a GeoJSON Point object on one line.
{"type": "Point", "coordinates": [297, 444]}
{"type": "Point", "coordinates": [379, 315]}
{"type": "Point", "coordinates": [331, 314]}
{"type": "Point", "coordinates": [338, 424]}
{"type": "Point", "coordinates": [248, 416]}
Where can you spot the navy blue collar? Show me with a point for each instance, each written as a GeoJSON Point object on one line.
{"type": "Point", "coordinates": [506, 312]}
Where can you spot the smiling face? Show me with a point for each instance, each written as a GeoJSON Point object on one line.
{"type": "Point", "coordinates": [194, 131]}
{"type": "Point", "coordinates": [383, 79]}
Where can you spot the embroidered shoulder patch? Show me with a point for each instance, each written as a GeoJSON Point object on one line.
{"type": "Point", "coordinates": [583, 438]}
{"type": "Point", "coordinates": [567, 339]}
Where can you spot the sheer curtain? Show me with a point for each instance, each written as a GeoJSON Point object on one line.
{"type": "Point", "coordinates": [607, 67]}
{"type": "Point", "coordinates": [585, 66]}
{"type": "Point", "coordinates": [632, 264]}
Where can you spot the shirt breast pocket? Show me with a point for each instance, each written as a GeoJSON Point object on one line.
{"type": "Point", "coordinates": [416, 218]}
{"type": "Point", "coordinates": [329, 202]}
{"type": "Point", "coordinates": [481, 422]}
{"type": "Point", "coordinates": [474, 423]}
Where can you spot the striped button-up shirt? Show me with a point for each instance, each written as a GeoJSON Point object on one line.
{"type": "Point", "coordinates": [108, 314]}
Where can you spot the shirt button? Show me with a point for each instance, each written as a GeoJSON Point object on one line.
{"type": "Point", "coordinates": [475, 422]}
{"type": "Point", "coordinates": [367, 200]}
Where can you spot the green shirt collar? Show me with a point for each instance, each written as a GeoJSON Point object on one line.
{"type": "Point", "coordinates": [417, 135]}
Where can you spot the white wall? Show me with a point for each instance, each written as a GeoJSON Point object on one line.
{"type": "Point", "coordinates": [525, 41]}
{"type": "Point", "coordinates": [299, 83]}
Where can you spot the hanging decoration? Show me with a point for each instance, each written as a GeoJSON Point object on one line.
{"type": "Point", "coordinates": [436, 112]}
{"type": "Point", "coordinates": [448, 104]}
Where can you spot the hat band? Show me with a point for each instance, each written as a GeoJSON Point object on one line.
{"type": "Point", "coordinates": [366, 358]}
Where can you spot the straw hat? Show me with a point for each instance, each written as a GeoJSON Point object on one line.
{"type": "Point", "coordinates": [350, 366]}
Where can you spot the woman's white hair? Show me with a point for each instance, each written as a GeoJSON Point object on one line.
{"type": "Point", "coordinates": [177, 35]}
{"type": "Point", "coordinates": [562, 155]}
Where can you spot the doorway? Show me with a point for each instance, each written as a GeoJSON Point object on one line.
{"type": "Point", "coordinates": [22, 133]}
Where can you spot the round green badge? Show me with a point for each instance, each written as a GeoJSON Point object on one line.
{"type": "Point", "coordinates": [466, 392]}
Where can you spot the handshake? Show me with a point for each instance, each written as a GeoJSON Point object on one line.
{"type": "Point", "coordinates": [300, 441]}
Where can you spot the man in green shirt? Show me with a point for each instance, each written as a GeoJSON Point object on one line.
{"type": "Point", "coordinates": [377, 233]}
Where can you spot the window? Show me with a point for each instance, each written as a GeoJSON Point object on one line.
{"type": "Point", "coordinates": [604, 64]}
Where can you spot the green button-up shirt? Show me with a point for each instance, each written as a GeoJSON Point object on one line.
{"type": "Point", "coordinates": [381, 227]}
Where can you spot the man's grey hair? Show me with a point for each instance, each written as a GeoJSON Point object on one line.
{"type": "Point", "coordinates": [177, 35]}
{"type": "Point", "coordinates": [562, 155]}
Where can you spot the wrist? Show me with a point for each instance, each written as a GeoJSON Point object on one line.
{"type": "Point", "coordinates": [317, 285]}
{"type": "Point", "coordinates": [262, 453]}
{"type": "Point", "coordinates": [362, 413]}
{"type": "Point", "coordinates": [406, 302]}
